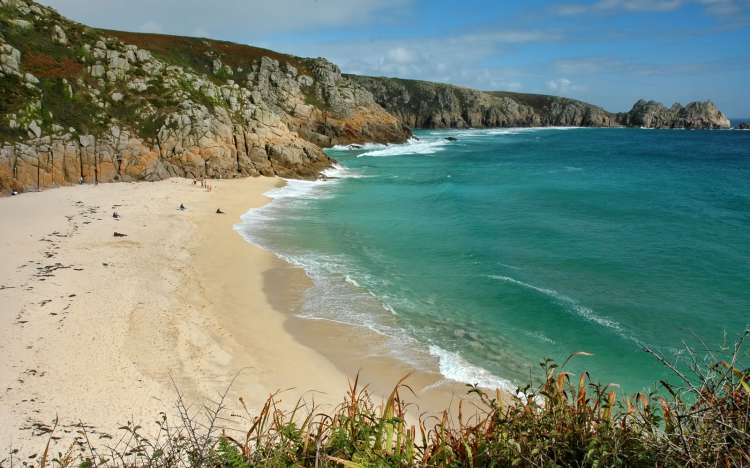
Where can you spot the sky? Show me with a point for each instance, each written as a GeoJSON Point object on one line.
{"type": "Point", "coordinates": [607, 52]}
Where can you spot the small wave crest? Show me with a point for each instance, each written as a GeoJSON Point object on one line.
{"type": "Point", "coordinates": [571, 304]}
{"type": "Point", "coordinates": [413, 146]}
{"type": "Point", "coordinates": [338, 171]}
{"type": "Point", "coordinates": [305, 189]}
{"type": "Point", "coordinates": [485, 132]}
{"type": "Point", "coordinates": [297, 189]}
{"type": "Point", "coordinates": [358, 147]}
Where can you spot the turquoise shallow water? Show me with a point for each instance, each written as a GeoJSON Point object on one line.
{"type": "Point", "coordinates": [511, 245]}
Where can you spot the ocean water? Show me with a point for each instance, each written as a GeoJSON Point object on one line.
{"type": "Point", "coordinates": [507, 246]}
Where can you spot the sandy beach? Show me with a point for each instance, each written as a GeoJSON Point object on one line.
{"type": "Point", "coordinates": [96, 328]}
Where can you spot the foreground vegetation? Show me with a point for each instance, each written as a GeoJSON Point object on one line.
{"type": "Point", "coordinates": [563, 421]}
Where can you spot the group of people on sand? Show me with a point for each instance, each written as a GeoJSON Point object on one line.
{"type": "Point", "coordinates": [208, 188]}
{"type": "Point", "coordinates": [204, 184]}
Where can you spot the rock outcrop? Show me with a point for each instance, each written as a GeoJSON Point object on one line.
{"type": "Point", "coordinates": [650, 114]}
{"type": "Point", "coordinates": [83, 104]}
{"type": "Point", "coordinates": [435, 105]}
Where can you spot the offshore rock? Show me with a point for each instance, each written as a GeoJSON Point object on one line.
{"type": "Point", "coordinates": [650, 114]}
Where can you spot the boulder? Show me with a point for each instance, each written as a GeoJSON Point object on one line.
{"type": "Point", "coordinates": [59, 36]}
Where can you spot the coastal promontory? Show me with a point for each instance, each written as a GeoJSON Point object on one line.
{"type": "Point", "coordinates": [435, 105]}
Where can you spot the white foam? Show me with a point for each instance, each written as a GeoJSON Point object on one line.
{"type": "Point", "coordinates": [485, 132]}
{"type": "Point", "coordinates": [305, 189]}
{"type": "Point", "coordinates": [413, 146]}
{"type": "Point", "coordinates": [301, 189]}
{"type": "Point", "coordinates": [539, 336]}
{"type": "Point", "coordinates": [337, 171]}
{"type": "Point", "coordinates": [456, 368]}
{"type": "Point", "coordinates": [388, 308]}
{"type": "Point", "coordinates": [359, 147]}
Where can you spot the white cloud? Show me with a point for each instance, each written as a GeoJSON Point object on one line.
{"type": "Point", "coordinates": [560, 85]}
{"type": "Point", "coordinates": [564, 86]}
{"type": "Point", "coordinates": [634, 68]}
{"type": "Point", "coordinates": [726, 7]}
{"type": "Point", "coordinates": [615, 5]}
{"type": "Point", "coordinates": [459, 59]}
{"type": "Point", "coordinates": [400, 55]}
{"type": "Point", "coordinates": [716, 7]}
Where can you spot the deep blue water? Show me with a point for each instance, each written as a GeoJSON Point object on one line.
{"type": "Point", "coordinates": [507, 246]}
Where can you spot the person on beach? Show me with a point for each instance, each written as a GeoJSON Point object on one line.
{"type": "Point", "coordinates": [218, 211]}
{"type": "Point", "coordinates": [182, 207]}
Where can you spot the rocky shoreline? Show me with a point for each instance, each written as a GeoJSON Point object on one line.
{"type": "Point", "coordinates": [82, 105]}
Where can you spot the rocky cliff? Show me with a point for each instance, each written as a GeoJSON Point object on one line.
{"type": "Point", "coordinates": [651, 114]}
{"type": "Point", "coordinates": [434, 105]}
{"type": "Point", "coordinates": [77, 102]}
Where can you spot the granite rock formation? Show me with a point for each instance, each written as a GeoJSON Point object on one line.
{"type": "Point", "coordinates": [650, 114]}
{"type": "Point", "coordinates": [434, 105]}
{"type": "Point", "coordinates": [80, 103]}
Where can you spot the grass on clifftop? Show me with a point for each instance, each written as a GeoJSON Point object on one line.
{"type": "Point", "coordinates": [198, 53]}
{"type": "Point", "coordinates": [566, 420]}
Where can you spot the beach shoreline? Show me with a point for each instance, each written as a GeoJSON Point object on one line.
{"type": "Point", "coordinates": [102, 329]}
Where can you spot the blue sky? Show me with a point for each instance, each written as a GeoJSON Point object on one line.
{"type": "Point", "coordinates": [608, 52]}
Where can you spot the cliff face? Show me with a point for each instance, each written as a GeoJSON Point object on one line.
{"type": "Point", "coordinates": [652, 114]}
{"type": "Point", "coordinates": [105, 105]}
{"type": "Point", "coordinates": [434, 105]}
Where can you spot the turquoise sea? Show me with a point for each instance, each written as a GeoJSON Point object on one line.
{"type": "Point", "coordinates": [507, 246]}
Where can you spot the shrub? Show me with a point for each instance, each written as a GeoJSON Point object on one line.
{"type": "Point", "coordinates": [562, 421]}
